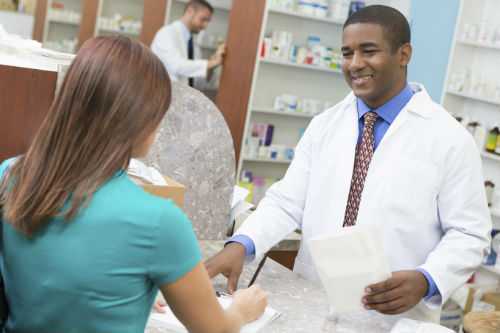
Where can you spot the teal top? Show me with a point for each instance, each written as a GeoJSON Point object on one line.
{"type": "Point", "coordinates": [99, 272]}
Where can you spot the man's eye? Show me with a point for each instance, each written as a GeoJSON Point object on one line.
{"type": "Point", "coordinates": [370, 51]}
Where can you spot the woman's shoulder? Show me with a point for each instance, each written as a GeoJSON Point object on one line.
{"type": "Point", "coordinates": [131, 199]}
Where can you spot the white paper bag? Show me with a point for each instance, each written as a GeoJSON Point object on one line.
{"type": "Point", "coordinates": [169, 322]}
{"type": "Point", "coordinates": [347, 262]}
{"type": "Point", "coordinates": [412, 326]}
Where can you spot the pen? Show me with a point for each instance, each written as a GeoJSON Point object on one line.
{"type": "Point", "coordinates": [254, 277]}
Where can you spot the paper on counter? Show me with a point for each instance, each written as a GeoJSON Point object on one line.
{"type": "Point", "coordinates": [413, 326]}
{"type": "Point", "coordinates": [140, 170]}
{"type": "Point", "coordinates": [171, 323]}
{"type": "Point", "coordinates": [239, 194]}
{"type": "Point", "coordinates": [347, 262]}
{"type": "Point", "coordinates": [238, 203]}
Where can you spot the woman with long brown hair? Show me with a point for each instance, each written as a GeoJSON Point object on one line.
{"type": "Point", "coordinates": [84, 249]}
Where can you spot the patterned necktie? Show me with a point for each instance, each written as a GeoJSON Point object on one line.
{"type": "Point", "coordinates": [191, 57]}
{"type": "Point", "coordinates": [364, 153]}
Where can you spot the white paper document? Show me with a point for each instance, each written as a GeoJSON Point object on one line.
{"type": "Point", "coordinates": [347, 262]}
{"type": "Point", "coordinates": [412, 326]}
{"type": "Point", "coordinates": [172, 324]}
{"type": "Point", "coordinates": [238, 203]}
{"type": "Point", "coordinates": [149, 174]}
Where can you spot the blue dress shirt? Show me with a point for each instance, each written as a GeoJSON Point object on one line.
{"type": "Point", "coordinates": [386, 115]}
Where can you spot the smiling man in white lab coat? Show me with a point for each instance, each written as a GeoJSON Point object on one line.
{"type": "Point", "coordinates": [385, 155]}
{"type": "Point", "coordinates": [174, 45]}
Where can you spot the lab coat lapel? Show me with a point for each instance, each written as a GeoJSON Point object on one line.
{"type": "Point", "coordinates": [180, 41]}
{"type": "Point", "coordinates": [341, 167]}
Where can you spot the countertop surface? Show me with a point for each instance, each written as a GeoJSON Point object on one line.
{"type": "Point", "coordinates": [303, 304]}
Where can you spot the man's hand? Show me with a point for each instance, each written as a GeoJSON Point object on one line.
{"type": "Point", "coordinates": [221, 49]}
{"type": "Point", "coordinates": [398, 294]}
{"type": "Point", "coordinates": [218, 57]}
{"type": "Point", "coordinates": [229, 262]}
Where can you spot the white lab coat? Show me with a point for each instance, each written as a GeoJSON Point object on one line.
{"type": "Point", "coordinates": [424, 188]}
{"type": "Point", "coordinates": [170, 45]}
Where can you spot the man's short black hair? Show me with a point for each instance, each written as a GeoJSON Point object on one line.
{"type": "Point", "coordinates": [394, 23]}
{"type": "Point", "coordinates": [199, 3]}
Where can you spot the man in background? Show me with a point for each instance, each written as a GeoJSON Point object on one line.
{"type": "Point", "coordinates": [174, 45]}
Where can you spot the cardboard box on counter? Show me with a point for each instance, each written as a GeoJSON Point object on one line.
{"type": "Point", "coordinates": [488, 301]}
{"type": "Point", "coordinates": [173, 190]}
{"type": "Point", "coordinates": [492, 298]}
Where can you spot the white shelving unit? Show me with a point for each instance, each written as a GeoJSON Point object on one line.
{"type": "Point", "coordinates": [303, 16]}
{"type": "Point", "coordinates": [62, 25]}
{"type": "Point", "coordinates": [274, 77]}
{"type": "Point", "coordinates": [479, 57]}
{"type": "Point", "coordinates": [270, 111]}
{"type": "Point", "coordinates": [479, 44]}
{"type": "Point", "coordinates": [63, 21]}
{"type": "Point", "coordinates": [120, 17]}
{"type": "Point", "coordinates": [266, 160]}
{"type": "Point", "coordinates": [474, 97]}
{"type": "Point", "coordinates": [208, 40]}
{"type": "Point", "coordinates": [299, 66]}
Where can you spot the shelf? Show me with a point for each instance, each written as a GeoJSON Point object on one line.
{"type": "Point", "coordinates": [304, 16]}
{"type": "Point", "coordinates": [474, 97]}
{"type": "Point", "coordinates": [307, 67]}
{"type": "Point", "coordinates": [118, 31]}
{"type": "Point", "coordinates": [491, 269]}
{"type": "Point", "coordinates": [207, 47]}
{"type": "Point", "coordinates": [67, 22]}
{"type": "Point", "coordinates": [282, 113]}
{"type": "Point", "coordinates": [266, 160]}
{"type": "Point", "coordinates": [490, 156]}
{"type": "Point", "coordinates": [479, 44]}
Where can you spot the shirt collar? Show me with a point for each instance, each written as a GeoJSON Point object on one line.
{"type": "Point", "coordinates": [186, 34]}
{"type": "Point", "coordinates": [389, 111]}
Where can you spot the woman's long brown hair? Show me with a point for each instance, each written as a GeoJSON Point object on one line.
{"type": "Point", "coordinates": [114, 95]}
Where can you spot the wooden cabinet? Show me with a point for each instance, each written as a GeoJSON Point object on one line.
{"type": "Point", "coordinates": [26, 97]}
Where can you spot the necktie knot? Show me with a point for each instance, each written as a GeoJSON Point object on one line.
{"type": "Point", "coordinates": [370, 118]}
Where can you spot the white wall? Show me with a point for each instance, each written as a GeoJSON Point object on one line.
{"type": "Point", "coordinates": [17, 23]}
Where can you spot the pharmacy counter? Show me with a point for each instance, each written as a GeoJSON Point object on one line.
{"type": "Point", "coordinates": [303, 304]}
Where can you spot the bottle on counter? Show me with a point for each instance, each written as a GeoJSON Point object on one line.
{"type": "Point", "coordinates": [492, 140]}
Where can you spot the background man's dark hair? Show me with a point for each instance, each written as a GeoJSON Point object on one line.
{"type": "Point", "coordinates": [199, 4]}
{"type": "Point", "coordinates": [395, 25]}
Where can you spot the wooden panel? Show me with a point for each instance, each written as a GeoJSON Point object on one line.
{"type": "Point", "coordinates": [285, 258]}
{"type": "Point", "coordinates": [155, 12]}
{"type": "Point", "coordinates": [245, 24]}
{"type": "Point", "coordinates": [90, 10]}
{"type": "Point", "coordinates": [26, 97]}
{"type": "Point", "coordinates": [40, 14]}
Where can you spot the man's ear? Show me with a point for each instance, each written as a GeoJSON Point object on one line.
{"type": "Point", "coordinates": [405, 52]}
